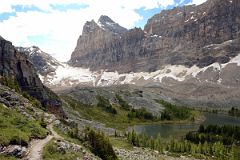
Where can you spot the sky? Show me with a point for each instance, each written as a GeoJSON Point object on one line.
{"type": "Point", "coordinates": [55, 25]}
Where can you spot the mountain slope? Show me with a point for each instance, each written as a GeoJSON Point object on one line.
{"type": "Point", "coordinates": [43, 62]}
{"type": "Point", "coordinates": [95, 36]}
{"type": "Point", "coordinates": [183, 52]}
{"type": "Point", "coordinates": [17, 70]}
{"type": "Point", "coordinates": [181, 36]}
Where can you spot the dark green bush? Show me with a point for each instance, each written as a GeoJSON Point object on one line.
{"type": "Point", "coordinates": [100, 144]}
{"type": "Point", "coordinates": [123, 103]}
{"type": "Point", "coordinates": [105, 105]}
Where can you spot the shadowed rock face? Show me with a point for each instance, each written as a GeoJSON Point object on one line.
{"type": "Point", "coordinates": [181, 36]}
{"type": "Point", "coordinates": [17, 67]}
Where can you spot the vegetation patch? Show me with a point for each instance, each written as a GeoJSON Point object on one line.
{"type": "Point", "coordinates": [174, 112]}
{"type": "Point", "coordinates": [121, 120]}
{"type": "Point", "coordinates": [105, 105]}
{"type": "Point", "coordinates": [226, 134]}
{"type": "Point", "coordinates": [120, 142]}
{"type": "Point", "coordinates": [212, 142]}
{"type": "Point", "coordinates": [34, 101]}
{"type": "Point", "coordinates": [11, 83]}
{"type": "Point", "coordinates": [99, 144]}
{"type": "Point", "coordinates": [17, 129]}
{"type": "Point", "coordinates": [6, 157]}
{"type": "Point", "coordinates": [51, 152]}
{"type": "Point", "coordinates": [141, 114]}
{"type": "Point", "coordinates": [234, 112]}
{"type": "Point", "coordinates": [123, 103]}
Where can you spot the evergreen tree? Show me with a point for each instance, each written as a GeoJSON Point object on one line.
{"type": "Point", "coordinates": [235, 152]}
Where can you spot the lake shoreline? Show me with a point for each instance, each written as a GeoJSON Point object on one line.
{"type": "Point", "coordinates": [178, 129]}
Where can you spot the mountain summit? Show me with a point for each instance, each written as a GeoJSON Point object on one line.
{"type": "Point", "coordinates": [193, 50]}
{"type": "Point", "coordinates": [43, 62]}
{"type": "Point", "coordinates": [181, 36]}
{"type": "Point", "coordinates": [108, 24]}
{"type": "Point", "coordinates": [95, 36]}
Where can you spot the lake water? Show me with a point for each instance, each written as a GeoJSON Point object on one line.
{"type": "Point", "coordinates": [179, 130]}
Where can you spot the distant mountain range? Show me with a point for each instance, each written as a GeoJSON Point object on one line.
{"type": "Point", "coordinates": [190, 53]}
{"type": "Point", "coordinates": [188, 36]}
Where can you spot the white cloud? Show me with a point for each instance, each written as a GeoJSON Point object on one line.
{"type": "Point", "coordinates": [4, 7]}
{"type": "Point", "coordinates": [62, 29]}
{"type": "Point", "coordinates": [197, 2]}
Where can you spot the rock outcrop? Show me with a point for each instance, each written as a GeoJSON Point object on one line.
{"type": "Point", "coordinates": [18, 68]}
{"type": "Point", "coordinates": [181, 36]}
{"type": "Point", "coordinates": [43, 62]}
{"type": "Point", "coordinates": [94, 38]}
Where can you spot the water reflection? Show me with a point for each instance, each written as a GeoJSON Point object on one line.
{"type": "Point", "coordinates": [179, 130]}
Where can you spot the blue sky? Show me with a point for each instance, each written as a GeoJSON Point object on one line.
{"type": "Point", "coordinates": [55, 25]}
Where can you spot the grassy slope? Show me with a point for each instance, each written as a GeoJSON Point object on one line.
{"type": "Point", "coordinates": [17, 129]}
{"type": "Point", "coordinates": [120, 142]}
{"type": "Point", "coordinates": [118, 121]}
{"type": "Point", "coordinates": [5, 157]}
{"type": "Point", "coordinates": [50, 152]}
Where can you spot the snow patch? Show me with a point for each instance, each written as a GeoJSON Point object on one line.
{"type": "Point", "coordinates": [100, 25]}
{"type": "Point", "coordinates": [110, 24]}
{"type": "Point", "coordinates": [235, 60]}
{"type": "Point", "coordinates": [66, 72]}
{"type": "Point", "coordinates": [155, 35]}
{"type": "Point", "coordinates": [67, 75]}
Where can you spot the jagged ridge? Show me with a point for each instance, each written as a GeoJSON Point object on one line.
{"type": "Point", "coordinates": [177, 37]}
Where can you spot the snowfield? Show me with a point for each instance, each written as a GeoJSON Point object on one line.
{"type": "Point", "coordinates": [66, 75]}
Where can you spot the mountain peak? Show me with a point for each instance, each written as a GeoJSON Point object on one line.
{"type": "Point", "coordinates": [1, 38]}
{"type": "Point", "coordinates": [108, 24]}
{"type": "Point", "coordinates": [105, 19]}
{"type": "Point", "coordinates": [89, 26]}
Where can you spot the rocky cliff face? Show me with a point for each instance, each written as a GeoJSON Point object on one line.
{"type": "Point", "coordinates": [43, 62]}
{"type": "Point", "coordinates": [190, 53]}
{"type": "Point", "coordinates": [181, 36]}
{"type": "Point", "coordinates": [95, 37]}
{"type": "Point", "coordinates": [19, 68]}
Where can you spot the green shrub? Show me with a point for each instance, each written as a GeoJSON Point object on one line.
{"type": "Point", "coordinates": [51, 152]}
{"type": "Point", "coordinates": [140, 114]}
{"type": "Point", "coordinates": [100, 144]}
{"type": "Point", "coordinates": [123, 103]}
{"type": "Point", "coordinates": [11, 83]}
{"type": "Point", "coordinates": [172, 111]}
{"type": "Point", "coordinates": [234, 112]}
{"type": "Point", "coordinates": [17, 129]}
{"type": "Point", "coordinates": [33, 100]}
{"type": "Point", "coordinates": [106, 105]}
{"type": "Point", "coordinates": [6, 157]}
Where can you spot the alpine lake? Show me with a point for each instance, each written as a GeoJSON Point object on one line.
{"type": "Point", "coordinates": [179, 130]}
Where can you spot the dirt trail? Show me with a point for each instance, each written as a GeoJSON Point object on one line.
{"type": "Point", "coordinates": [36, 146]}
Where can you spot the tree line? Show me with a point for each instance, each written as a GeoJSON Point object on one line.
{"type": "Point", "coordinates": [172, 111]}
{"type": "Point", "coordinates": [234, 112]}
{"type": "Point", "coordinates": [196, 147]}
{"type": "Point", "coordinates": [225, 134]}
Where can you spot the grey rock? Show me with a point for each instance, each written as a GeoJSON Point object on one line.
{"type": "Point", "coordinates": [15, 150]}
{"type": "Point", "coordinates": [43, 62]}
{"type": "Point", "coordinates": [109, 25]}
{"type": "Point", "coordinates": [181, 36]}
{"type": "Point", "coordinates": [20, 69]}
